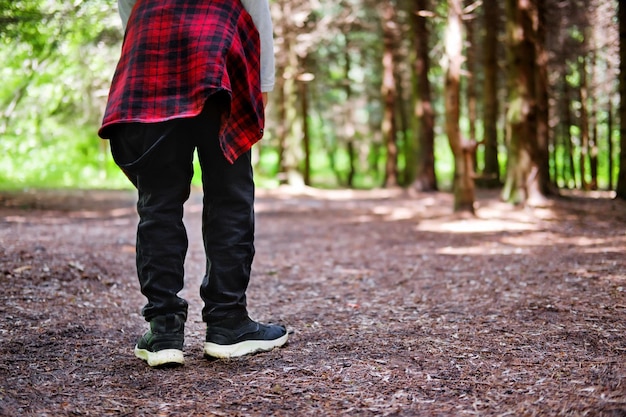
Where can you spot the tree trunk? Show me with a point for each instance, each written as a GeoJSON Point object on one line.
{"type": "Point", "coordinates": [306, 137]}
{"type": "Point", "coordinates": [541, 150]}
{"type": "Point", "coordinates": [584, 124]}
{"type": "Point", "coordinates": [281, 131]}
{"type": "Point", "coordinates": [471, 78]}
{"type": "Point", "coordinates": [593, 114]}
{"type": "Point", "coordinates": [572, 182]}
{"type": "Point", "coordinates": [389, 93]}
{"type": "Point", "coordinates": [561, 157]}
{"type": "Point", "coordinates": [491, 170]}
{"type": "Point", "coordinates": [610, 151]}
{"type": "Point", "coordinates": [621, 179]}
{"type": "Point", "coordinates": [463, 150]}
{"type": "Point", "coordinates": [426, 179]}
{"type": "Point", "coordinates": [352, 157]}
{"type": "Point", "coordinates": [289, 124]}
{"type": "Point", "coordinates": [522, 169]}
{"type": "Point", "coordinates": [349, 128]}
{"type": "Point", "coordinates": [593, 145]}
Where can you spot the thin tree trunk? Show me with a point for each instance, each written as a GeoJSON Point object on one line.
{"type": "Point", "coordinates": [471, 78]}
{"type": "Point", "coordinates": [525, 163]}
{"type": "Point", "coordinates": [389, 93]}
{"type": "Point", "coordinates": [402, 123]}
{"type": "Point", "coordinates": [491, 170]}
{"type": "Point", "coordinates": [281, 126]}
{"type": "Point", "coordinates": [572, 181]}
{"type": "Point", "coordinates": [463, 150]}
{"type": "Point", "coordinates": [352, 168]}
{"type": "Point", "coordinates": [426, 179]}
{"type": "Point", "coordinates": [349, 130]}
{"type": "Point", "coordinates": [584, 123]}
{"type": "Point", "coordinates": [541, 154]}
{"type": "Point", "coordinates": [290, 129]}
{"type": "Point", "coordinates": [609, 138]}
{"type": "Point", "coordinates": [621, 179]}
{"type": "Point", "coordinates": [306, 137]}
{"type": "Point", "coordinates": [593, 146]}
{"type": "Point", "coordinates": [555, 167]}
{"type": "Point", "coordinates": [563, 128]}
{"type": "Point", "coordinates": [593, 118]}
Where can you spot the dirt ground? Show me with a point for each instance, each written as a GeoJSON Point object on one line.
{"type": "Point", "coordinates": [397, 307]}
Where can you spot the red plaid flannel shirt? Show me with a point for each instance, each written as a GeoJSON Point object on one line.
{"type": "Point", "coordinates": [175, 55]}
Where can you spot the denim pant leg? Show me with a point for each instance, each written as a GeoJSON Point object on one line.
{"type": "Point", "coordinates": [157, 158]}
{"type": "Point", "coordinates": [228, 232]}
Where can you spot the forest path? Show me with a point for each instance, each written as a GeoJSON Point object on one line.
{"type": "Point", "coordinates": [397, 307]}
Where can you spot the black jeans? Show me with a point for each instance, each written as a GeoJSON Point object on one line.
{"type": "Point", "coordinates": [158, 160]}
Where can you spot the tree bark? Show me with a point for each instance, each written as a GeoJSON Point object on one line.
{"type": "Point", "coordinates": [306, 137]}
{"type": "Point", "coordinates": [569, 170]}
{"type": "Point", "coordinates": [541, 150]}
{"type": "Point", "coordinates": [471, 78]}
{"type": "Point", "coordinates": [524, 167]}
{"type": "Point", "coordinates": [389, 93]}
{"type": "Point", "coordinates": [571, 146]}
{"type": "Point", "coordinates": [593, 112]}
{"type": "Point", "coordinates": [426, 179]}
{"type": "Point", "coordinates": [491, 170]}
{"type": "Point", "coordinates": [610, 147]}
{"type": "Point", "coordinates": [349, 128]}
{"type": "Point", "coordinates": [463, 150]}
{"type": "Point", "coordinates": [289, 124]}
{"type": "Point", "coordinates": [584, 124]}
{"type": "Point", "coordinates": [621, 179]}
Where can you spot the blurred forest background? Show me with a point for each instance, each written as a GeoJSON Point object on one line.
{"type": "Point", "coordinates": [523, 95]}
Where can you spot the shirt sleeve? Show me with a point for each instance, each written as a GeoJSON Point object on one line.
{"type": "Point", "coordinates": [259, 10]}
{"type": "Point", "coordinates": [124, 8]}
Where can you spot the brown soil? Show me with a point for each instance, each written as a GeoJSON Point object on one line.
{"type": "Point", "coordinates": [398, 308]}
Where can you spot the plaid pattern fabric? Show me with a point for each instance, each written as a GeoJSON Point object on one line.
{"type": "Point", "coordinates": [175, 55]}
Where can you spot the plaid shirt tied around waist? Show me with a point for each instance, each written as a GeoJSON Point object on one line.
{"type": "Point", "coordinates": [175, 55]}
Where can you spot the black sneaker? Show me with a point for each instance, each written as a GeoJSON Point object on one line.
{"type": "Point", "coordinates": [162, 345]}
{"type": "Point", "coordinates": [229, 340]}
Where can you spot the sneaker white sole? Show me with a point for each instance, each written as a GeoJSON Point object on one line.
{"type": "Point", "coordinates": [246, 347]}
{"type": "Point", "coordinates": [163, 357]}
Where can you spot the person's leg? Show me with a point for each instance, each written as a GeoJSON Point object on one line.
{"type": "Point", "coordinates": [227, 222]}
{"type": "Point", "coordinates": [228, 232]}
{"type": "Point", "coordinates": [157, 158]}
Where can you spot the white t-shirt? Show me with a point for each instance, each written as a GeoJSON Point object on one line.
{"type": "Point", "coordinates": [259, 10]}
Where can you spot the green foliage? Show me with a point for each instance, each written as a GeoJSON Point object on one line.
{"type": "Point", "coordinates": [58, 57]}
{"type": "Point", "coordinates": [69, 160]}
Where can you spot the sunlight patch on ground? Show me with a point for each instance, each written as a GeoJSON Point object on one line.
{"type": "Point", "coordinates": [515, 245]}
{"type": "Point", "coordinates": [604, 250]}
{"type": "Point", "coordinates": [343, 194]}
{"type": "Point", "coordinates": [482, 250]}
{"type": "Point", "coordinates": [395, 213]}
{"type": "Point", "coordinates": [594, 244]}
{"type": "Point", "coordinates": [475, 226]}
